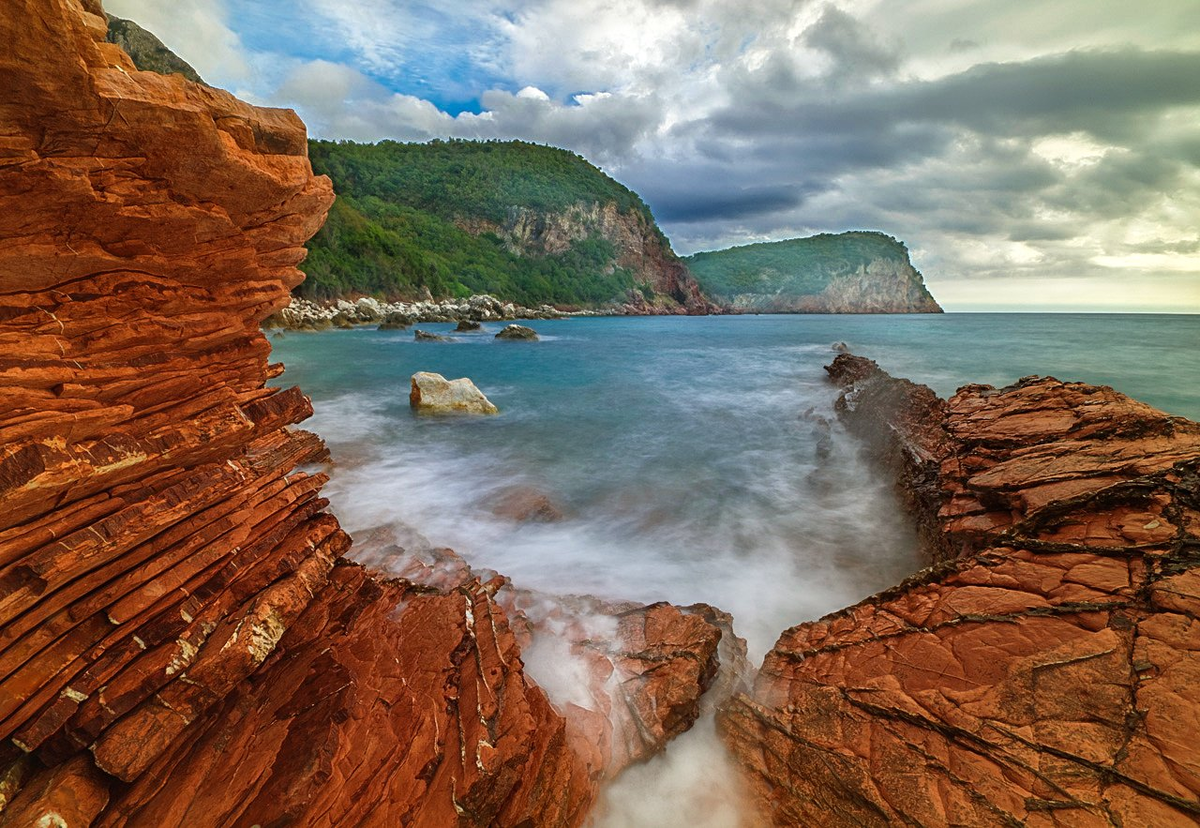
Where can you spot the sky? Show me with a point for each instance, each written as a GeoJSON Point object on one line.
{"type": "Point", "coordinates": [1034, 155]}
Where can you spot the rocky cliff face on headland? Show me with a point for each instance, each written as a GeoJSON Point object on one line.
{"type": "Point", "coordinates": [639, 246]}
{"type": "Point", "coordinates": [854, 272]}
{"type": "Point", "coordinates": [524, 222]}
{"type": "Point", "coordinates": [181, 642]}
{"type": "Point", "coordinates": [1047, 672]}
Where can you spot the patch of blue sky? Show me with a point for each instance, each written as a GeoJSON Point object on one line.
{"type": "Point", "coordinates": [448, 59]}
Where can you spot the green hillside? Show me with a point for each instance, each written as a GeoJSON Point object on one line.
{"type": "Point", "coordinates": [858, 271]}
{"type": "Point", "coordinates": [800, 266]}
{"type": "Point", "coordinates": [438, 216]}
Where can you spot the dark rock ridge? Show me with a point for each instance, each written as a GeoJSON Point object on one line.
{"type": "Point", "coordinates": [1047, 670]}
{"type": "Point", "coordinates": [147, 52]}
{"type": "Point", "coordinates": [855, 272]}
{"type": "Point", "coordinates": [181, 641]}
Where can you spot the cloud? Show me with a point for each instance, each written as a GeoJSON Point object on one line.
{"type": "Point", "coordinates": [1002, 141]}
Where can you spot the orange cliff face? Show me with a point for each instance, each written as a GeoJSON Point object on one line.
{"type": "Point", "coordinates": [181, 642]}
{"type": "Point", "coordinates": [1047, 671]}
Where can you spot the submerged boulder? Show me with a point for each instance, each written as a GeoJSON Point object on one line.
{"type": "Point", "coordinates": [434, 394]}
{"type": "Point", "coordinates": [526, 504]}
{"type": "Point", "coordinates": [518, 332]}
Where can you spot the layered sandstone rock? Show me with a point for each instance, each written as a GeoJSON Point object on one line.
{"type": "Point", "coordinates": [1047, 673]}
{"type": "Point", "coordinates": [155, 540]}
{"type": "Point", "coordinates": [385, 704]}
{"type": "Point", "coordinates": [180, 640]}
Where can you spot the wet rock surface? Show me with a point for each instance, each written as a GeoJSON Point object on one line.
{"type": "Point", "coordinates": [434, 394]}
{"type": "Point", "coordinates": [1042, 673]}
{"type": "Point", "coordinates": [641, 674]}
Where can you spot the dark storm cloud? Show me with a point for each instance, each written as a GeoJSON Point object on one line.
{"type": "Point", "coordinates": [851, 46]}
{"type": "Point", "coordinates": [1093, 91]}
{"type": "Point", "coordinates": [967, 140]}
{"type": "Point", "coordinates": [724, 203]}
{"type": "Point", "coordinates": [1187, 246]}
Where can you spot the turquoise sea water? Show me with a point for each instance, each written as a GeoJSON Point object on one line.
{"type": "Point", "coordinates": [697, 459]}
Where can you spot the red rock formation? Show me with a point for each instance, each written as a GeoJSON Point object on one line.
{"type": "Point", "coordinates": [384, 704]}
{"type": "Point", "coordinates": [1049, 674]}
{"type": "Point", "coordinates": [179, 641]}
{"type": "Point", "coordinates": [646, 668]}
{"type": "Point", "coordinates": [155, 541]}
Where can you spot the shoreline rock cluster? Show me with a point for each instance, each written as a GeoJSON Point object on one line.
{"type": "Point", "coordinates": [305, 315]}
{"type": "Point", "coordinates": [1046, 669]}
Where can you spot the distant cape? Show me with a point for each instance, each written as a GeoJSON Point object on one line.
{"type": "Point", "coordinates": [854, 272]}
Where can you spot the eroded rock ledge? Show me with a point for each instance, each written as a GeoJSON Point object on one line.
{"type": "Point", "coordinates": [1047, 670]}
{"type": "Point", "coordinates": [181, 642]}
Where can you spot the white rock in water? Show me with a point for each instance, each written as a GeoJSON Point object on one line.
{"type": "Point", "coordinates": [434, 394]}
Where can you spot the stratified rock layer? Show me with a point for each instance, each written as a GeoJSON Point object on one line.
{"type": "Point", "coordinates": [385, 704]}
{"type": "Point", "coordinates": [180, 641]}
{"type": "Point", "coordinates": [155, 541]}
{"type": "Point", "coordinates": [1047, 672]}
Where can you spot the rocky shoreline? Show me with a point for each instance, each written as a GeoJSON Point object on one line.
{"type": "Point", "coordinates": [305, 315]}
{"type": "Point", "coordinates": [1045, 669]}
{"type": "Point", "coordinates": [183, 639]}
